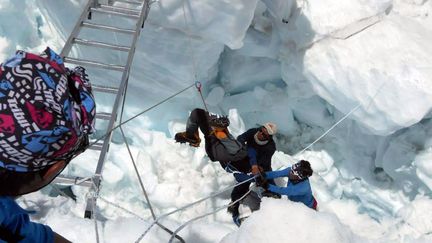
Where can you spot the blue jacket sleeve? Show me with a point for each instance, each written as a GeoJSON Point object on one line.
{"type": "Point", "coordinates": [241, 176]}
{"type": "Point", "coordinates": [252, 154]}
{"type": "Point", "coordinates": [277, 173]}
{"type": "Point", "coordinates": [34, 232]}
{"type": "Point", "coordinates": [290, 190]}
{"type": "Point", "coordinates": [16, 220]}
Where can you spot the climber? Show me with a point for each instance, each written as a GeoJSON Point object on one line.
{"type": "Point", "coordinates": [261, 147]}
{"type": "Point", "coordinates": [298, 188]}
{"type": "Point", "coordinates": [238, 157]}
{"type": "Point", "coordinates": [261, 140]}
{"type": "Point", "coordinates": [220, 145]}
{"type": "Point", "coordinates": [47, 112]}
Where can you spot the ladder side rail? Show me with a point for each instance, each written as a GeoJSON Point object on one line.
{"type": "Point", "coordinates": [116, 106]}
{"type": "Point", "coordinates": [75, 31]}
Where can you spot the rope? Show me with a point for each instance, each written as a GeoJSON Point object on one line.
{"type": "Point", "coordinates": [140, 113]}
{"type": "Point", "coordinates": [198, 86]}
{"type": "Point", "coordinates": [343, 118]}
{"type": "Point", "coordinates": [138, 175]}
{"type": "Point", "coordinates": [189, 41]}
{"type": "Point", "coordinates": [190, 205]}
{"type": "Point", "coordinates": [121, 208]}
{"type": "Point", "coordinates": [194, 68]}
{"type": "Point", "coordinates": [207, 214]}
{"type": "Point", "coordinates": [331, 128]}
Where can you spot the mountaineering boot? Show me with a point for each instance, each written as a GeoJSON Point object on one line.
{"type": "Point", "coordinates": [237, 221]}
{"type": "Point", "coordinates": [234, 211]}
{"type": "Point", "coordinates": [182, 137]}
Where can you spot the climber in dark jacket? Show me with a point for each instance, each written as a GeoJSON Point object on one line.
{"type": "Point", "coordinates": [261, 140]}
{"type": "Point", "coordinates": [260, 147]}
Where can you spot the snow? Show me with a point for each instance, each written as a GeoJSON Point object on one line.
{"type": "Point", "coordinates": [294, 63]}
{"type": "Point", "coordinates": [295, 222]}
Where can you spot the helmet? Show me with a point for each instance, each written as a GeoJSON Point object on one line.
{"type": "Point", "coordinates": [302, 169]}
{"type": "Point", "coordinates": [218, 121]}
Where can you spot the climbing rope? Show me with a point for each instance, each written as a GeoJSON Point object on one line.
{"type": "Point", "coordinates": [194, 68]}
{"type": "Point", "coordinates": [189, 41]}
{"type": "Point", "coordinates": [138, 175]}
{"type": "Point", "coordinates": [343, 118]}
{"type": "Point", "coordinates": [310, 145]}
{"type": "Point", "coordinates": [207, 214]}
{"type": "Point", "coordinates": [140, 113]}
{"type": "Point", "coordinates": [190, 205]}
{"type": "Point", "coordinates": [198, 86]}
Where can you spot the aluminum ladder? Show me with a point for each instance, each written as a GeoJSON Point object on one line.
{"type": "Point", "coordinates": [85, 21]}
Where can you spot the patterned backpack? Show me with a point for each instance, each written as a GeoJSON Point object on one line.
{"type": "Point", "coordinates": [46, 111]}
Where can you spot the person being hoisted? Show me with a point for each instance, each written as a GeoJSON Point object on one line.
{"type": "Point", "coordinates": [220, 145]}
{"type": "Point", "coordinates": [233, 155]}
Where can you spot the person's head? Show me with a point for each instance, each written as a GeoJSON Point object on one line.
{"type": "Point", "coordinates": [20, 183]}
{"type": "Point", "coordinates": [43, 124]}
{"type": "Point", "coordinates": [265, 132]}
{"type": "Point", "coordinates": [300, 171]}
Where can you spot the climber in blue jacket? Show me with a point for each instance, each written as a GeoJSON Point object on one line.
{"type": "Point", "coordinates": [298, 188]}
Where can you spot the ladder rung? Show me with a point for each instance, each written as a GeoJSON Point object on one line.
{"type": "Point", "coordinates": [80, 181]}
{"type": "Point", "coordinates": [120, 9]}
{"type": "Point", "coordinates": [107, 27]}
{"type": "Point", "coordinates": [103, 115]}
{"type": "Point", "coordinates": [94, 64]}
{"type": "Point", "coordinates": [105, 89]}
{"type": "Point", "coordinates": [122, 14]}
{"type": "Point", "coordinates": [101, 44]}
{"type": "Point", "coordinates": [129, 2]}
{"type": "Point", "coordinates": [97, 146]}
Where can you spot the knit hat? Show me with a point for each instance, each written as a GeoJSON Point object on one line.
{"type": "Point", "coordinates": [46, 111]}
{"type": "Point", "coordinates": [271, 128]}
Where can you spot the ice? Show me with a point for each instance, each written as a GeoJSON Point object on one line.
{"type": "Point", "coordinates": [296, 221]}
{"type": "Point", "coordinates": [359, 71]}
{"type": "Point", "coordinates": [207, 18]}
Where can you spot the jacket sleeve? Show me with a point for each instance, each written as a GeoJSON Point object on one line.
{"type": "Point", "coordinates": [252, 154]}
{"type": "Point", "coordinates": [300, 189]}
{"type": "Point", "coordinates": [34, 232]}
{"type": "Point", "coordinates": [277, 173]}
{"type": "Point", "coordinates": [239, 176]}
{"type": "Point", "coordinates": [18, 227]}
{"type": "Point", "coordinates": [244, 137]}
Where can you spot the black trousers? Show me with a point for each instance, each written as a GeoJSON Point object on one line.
{"type": "Point", "coordinates": [240, 190]}
{"type": "Point", "coordinates": [198, 119]}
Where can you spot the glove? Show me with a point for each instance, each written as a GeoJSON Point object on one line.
{"type": "Point", "coordinates": [261, 181]}
{"type": "Point", "coordinates": [255, 170]}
